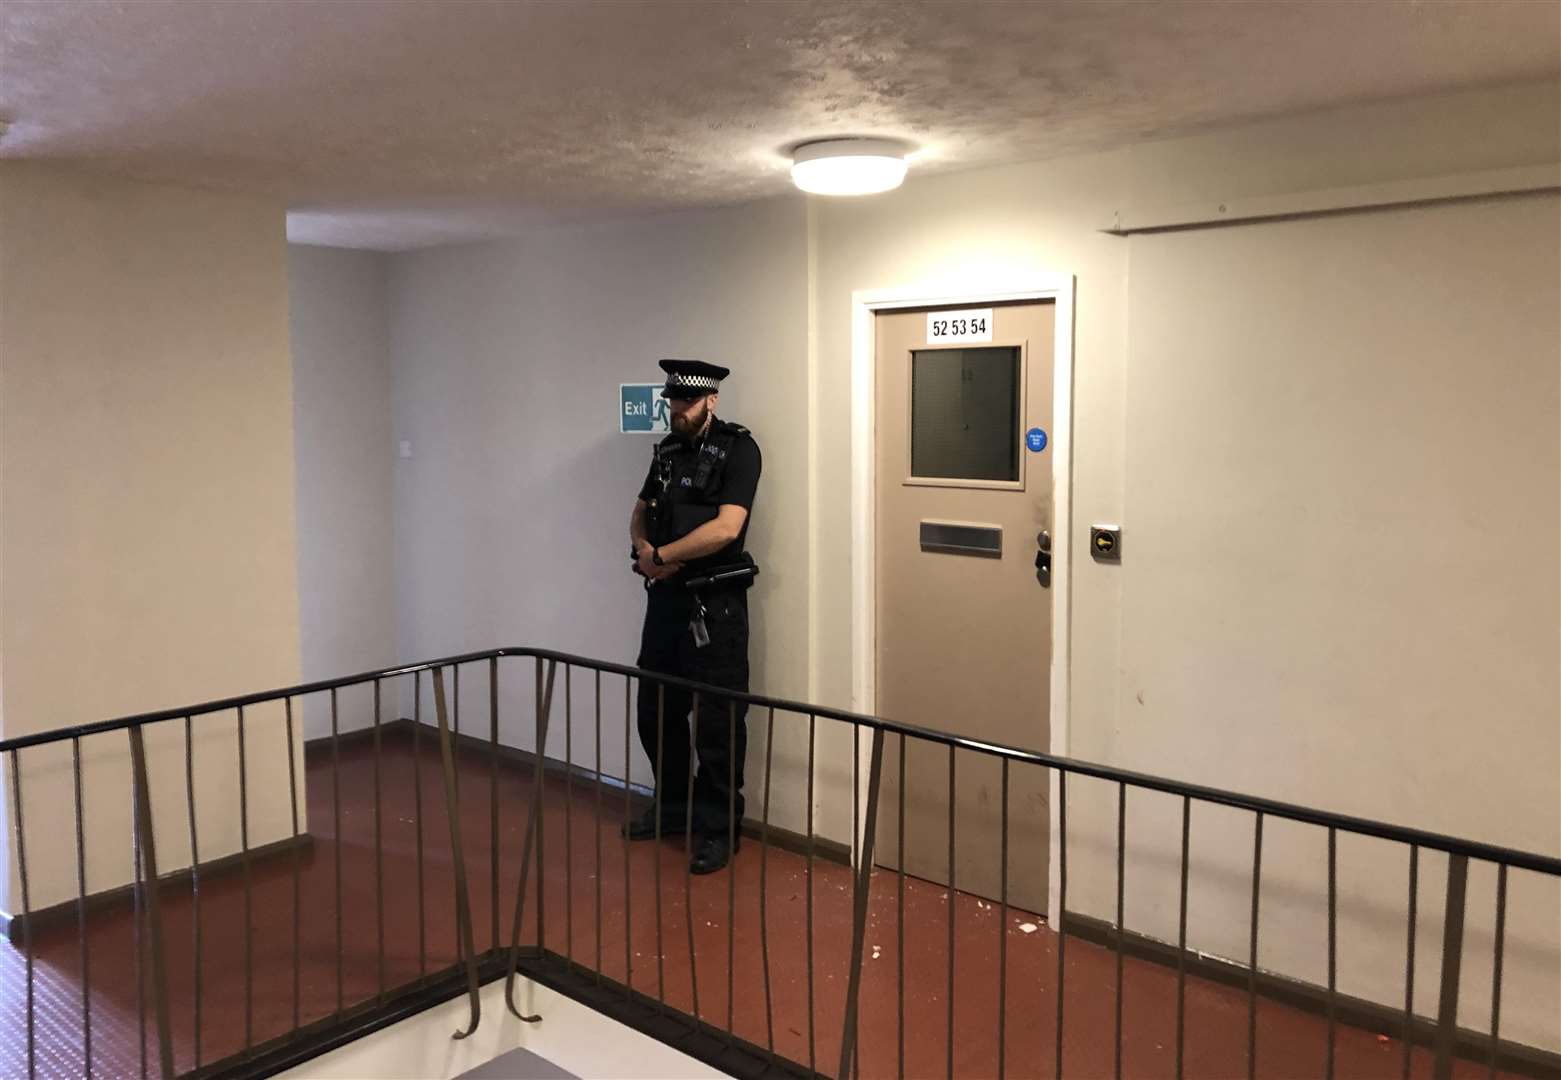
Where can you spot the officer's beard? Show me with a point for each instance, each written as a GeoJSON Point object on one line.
{"type": "Point", "coordinates": [691, 424]}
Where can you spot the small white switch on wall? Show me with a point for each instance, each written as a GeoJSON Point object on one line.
{"type": "Point", "coordinates": [405, 448]}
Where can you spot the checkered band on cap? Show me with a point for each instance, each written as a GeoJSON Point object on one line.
{"type": "Point", "coordinates": [693, 382]}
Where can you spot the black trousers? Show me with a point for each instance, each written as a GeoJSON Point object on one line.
{"type": "Point", "coordinates": [719, 736]}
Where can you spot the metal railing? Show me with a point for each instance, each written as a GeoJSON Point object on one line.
{"type": "Point", "coordinates": [653, 1004]}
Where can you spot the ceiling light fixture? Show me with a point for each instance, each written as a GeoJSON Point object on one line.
{"type": "Point", "coordinates": [848, 166]}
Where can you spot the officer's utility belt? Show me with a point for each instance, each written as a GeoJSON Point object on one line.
{"type": "Point", "coordinates": [738, 574]}
{"type": "Point", "coordinates": [734, 575]}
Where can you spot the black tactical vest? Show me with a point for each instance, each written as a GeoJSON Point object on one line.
{"type": "Point", "coordinates": [686, 489]}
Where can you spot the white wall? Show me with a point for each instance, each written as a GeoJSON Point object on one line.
{"type": "Point", "coordinates": [345, 465]}
{"type": "Point", "coordinates": [512, 516]}
{"type": "Point", "coordinates": [1374, 396]}
{"type": "Point", "coordinates": [146, 505]}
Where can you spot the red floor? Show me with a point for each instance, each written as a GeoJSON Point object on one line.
{"type": "Point", "coordinates": [1291, 1043]}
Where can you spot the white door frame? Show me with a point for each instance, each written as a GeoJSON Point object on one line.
{"type": "Point", "coordinates": [865, 304]}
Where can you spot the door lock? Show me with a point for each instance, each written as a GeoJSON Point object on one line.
{"type": "Point", "coordinates": [1105, 542]}
{"type": "Point", "coordinates": [1043, 559]}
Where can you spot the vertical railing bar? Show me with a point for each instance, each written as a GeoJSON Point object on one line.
{"type": "Point", "coordinates": [379, 856]}
{"type": "Point", "coordinates": [27, 916]}
{"type": "Point", "coordinates": [493, 801]}
{"type": "Point", "coordinates": [731, 876]}
{"type": "Point", "coordinates": [336, 814]}
{"type": "Point", "coordinates": [81, 910]}
{"type": "Point", "coordinates": [953, 903]}
{"type": "Point", "coordinates": [1060, 919]}
{"type": "Point", "coordinates": [541, 807]}
{"type": "Point", "coordinates": [417, 813]}
{"type": "Point", "coordinates": [628, 816]}
{"type": "Point", "coordinates": [1257, 883]}
{"type": "Point", "coordinates": [1121, 912]}
{"type": "Point", "coordinates": [534, 826]}
{"type": "Point", "coordinates": [598, 823]}
{"type": "Point", "coordinates": [1333, 946]}
{"type": "Point", "coordinates": [764, 868]}
{"type": "Point", "coordinates": [292, 805]}
{"type": "Point", "coordinates": [543, 699]}
{"type": "Point", "coordinates": [1409, 961]}
{"type": "Point", "coordinates": [856, 839]}
{"type": "Point", "coordinates": [1452, 961]}
{"type": "Point", "coordinates": [899, 921]}
{"type": "Point", "coordinates": [688, 853]}
{"type": "Point", "coordinates": [1501, 933]}
{"type": "Point", "coordinates": [147, 848]}
{"type": "Point", "coordinates": [1002, 940]}
{"type": "Point", "coordinates": [466, 945]}
{"type": "Point", "coordinates": [661, 739]}
{"type": "Point", "coordinates": [812, 1050]}
{"type": "Point", "coordinates": [454, 807]}
{"type": "Point", "coordinates": [249, 888]}
{"type": "Point", "coordinates": [195, 880]}
{"type": "Point", "coordinates": [849, 1049]}
{"type": "Point", "coordinates": [1181, 945]}
{"type": "Point", "coordinates": [569, 817]}
{"type": "Point", "coordinates": [138, 909]}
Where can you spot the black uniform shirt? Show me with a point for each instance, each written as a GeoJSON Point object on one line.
{"type": "Point", "coordinates": [691, 508]}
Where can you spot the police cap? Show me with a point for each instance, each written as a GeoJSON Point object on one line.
{"type": "Point", "coordinates": [689, 379]}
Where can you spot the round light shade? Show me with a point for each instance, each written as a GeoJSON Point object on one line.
{"type": "Point", "coordinates": [848, 166]}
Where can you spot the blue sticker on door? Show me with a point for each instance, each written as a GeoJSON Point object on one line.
{"type": "Point", "coordinates": [1035, 439]}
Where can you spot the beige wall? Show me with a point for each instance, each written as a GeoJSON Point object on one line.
{"type": "Point", "coordinates": [346, 472]}
{"type": "Point", "coordinates": [1390, 375]}
{"type": "Point", "coordinates": [1330, 603]}
{"type": "Point", "coordinates": [146, 504]}
{"type": "Point", "coordinates": [1315, 434]}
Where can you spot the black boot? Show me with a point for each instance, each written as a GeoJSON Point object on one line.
{"type": "Point", "coordinates": [644, 826]}
{"type": "Point", "coordinates": [711, 853]}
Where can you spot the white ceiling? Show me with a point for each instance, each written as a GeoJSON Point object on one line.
{"type": "Point", "coordinates": [396, 123]}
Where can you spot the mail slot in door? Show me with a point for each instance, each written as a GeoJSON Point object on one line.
{"type": "Point", "coordinates": [962, 538]}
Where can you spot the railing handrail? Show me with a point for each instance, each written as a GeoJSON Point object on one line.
{"type": "Point", "coordinates": [1451, 845]}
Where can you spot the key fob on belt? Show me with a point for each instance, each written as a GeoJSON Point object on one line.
{"type": "Point", "coordinates": [697, 625]}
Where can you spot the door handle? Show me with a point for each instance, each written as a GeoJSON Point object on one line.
{"type": "Point", "coordinates": [1043, 569]}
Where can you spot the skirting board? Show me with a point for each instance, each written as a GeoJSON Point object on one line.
{"type": "Point", "coordinates": [14, 927]}
{"type": "Point", "coordinates": [1352, 1011]}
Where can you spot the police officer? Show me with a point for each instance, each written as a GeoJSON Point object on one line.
{"type": "Point", "coordinates": [688, 528]}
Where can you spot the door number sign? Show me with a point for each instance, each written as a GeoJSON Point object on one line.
{"type": "Point", "coordinates": [959, 327]}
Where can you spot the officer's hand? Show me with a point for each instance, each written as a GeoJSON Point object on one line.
{"type": "Point", "coordinates": [645, 562]}
{"type": "Point", "coordinates": [665, 570]}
